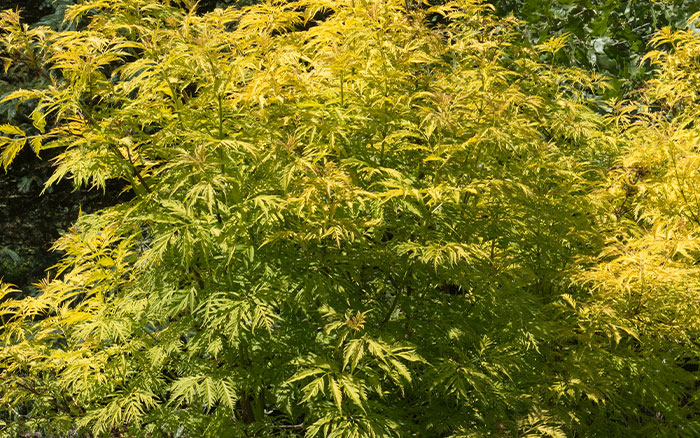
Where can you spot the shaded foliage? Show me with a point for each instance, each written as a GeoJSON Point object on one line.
{"type": "Point", "coordinates": [609, 36]}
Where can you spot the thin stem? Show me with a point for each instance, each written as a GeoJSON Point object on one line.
{"type": "Point", "coordinates": [391, 308]}
{"type": "Point", "coordinates": [221, 116]}
{"type": "Point", "coordinates": [134, 171]}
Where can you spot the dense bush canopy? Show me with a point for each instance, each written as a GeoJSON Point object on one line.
{"type": "Point", "coordinates": [358, 218]}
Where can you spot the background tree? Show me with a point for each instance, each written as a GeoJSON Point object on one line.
{"type": "Point", "coordinates": [608, 36]}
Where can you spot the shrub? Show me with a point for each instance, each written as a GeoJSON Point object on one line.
{"type": "Point", "coordinates": [350, 219]}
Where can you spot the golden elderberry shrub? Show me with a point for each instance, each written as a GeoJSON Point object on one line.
{"type": "Point", "coordinates": [354, 218]}
{"type": "Point", "coordinates": [644, 282]}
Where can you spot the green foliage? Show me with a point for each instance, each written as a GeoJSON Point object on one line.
{"type": "Point", "coordinates": [12, 266]}
{"type": "Point", "coordinates": [350, 220]}
{"type": "Point", "coordinates": [609, 36]}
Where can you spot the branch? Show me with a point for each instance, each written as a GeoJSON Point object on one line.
{"type": "Point", "coordinates": [40, 393]}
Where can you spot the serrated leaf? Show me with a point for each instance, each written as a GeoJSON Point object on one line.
{"type": "Point", "coordinates": [336, 392]}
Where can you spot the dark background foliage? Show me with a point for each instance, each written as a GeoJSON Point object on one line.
{"type": "Point", "coordinates": [609, 36]}
{"type": "Point", "coordinates": [33, 10]}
